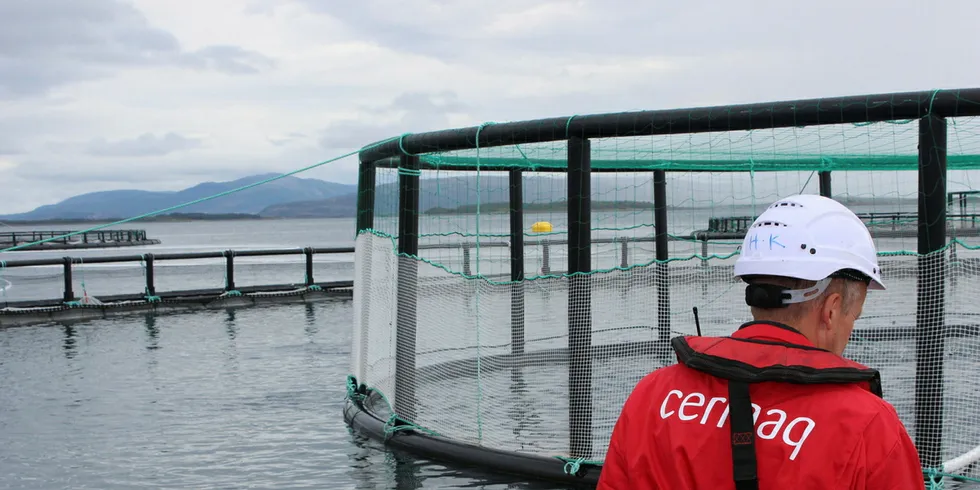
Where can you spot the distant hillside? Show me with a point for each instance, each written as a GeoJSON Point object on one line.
{"type": "Point", "coordinates": [504, 207]}
{"type": "Point", "coordinates": [344, 206]}
{"type": "Point", "coordinates": [169, 217]}
{"type": "Point", "coordinates": [124, 203]}
{"type": "Point", "coordinates": [447, 195]}
{"type": "Point", "coordinates": [293, 197]}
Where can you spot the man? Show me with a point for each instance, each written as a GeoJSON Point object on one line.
{"type": "Point", "coordinates": [773, 406]}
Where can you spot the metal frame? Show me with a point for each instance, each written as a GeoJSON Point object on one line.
{"type": "Point", "coordinates": [931, 108]}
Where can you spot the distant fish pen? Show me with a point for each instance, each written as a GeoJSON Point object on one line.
{"type": "Point", "coordinates": [517, 359]}
{"type": "Point", "coordinates": [76, 303]}
{"type": "Point", "coordinates": [64, 240]}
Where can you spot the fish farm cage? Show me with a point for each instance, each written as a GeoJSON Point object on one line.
{"type": "Point", "coordinates": [514, 281]}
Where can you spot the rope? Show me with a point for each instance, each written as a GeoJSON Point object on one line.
{"type": "Point", "coordinates": [352, 392]}
{"type": "Point", "coordinates": [224, 274]}
{"type": "Point", "coordinates": [81, 275]}
{"type": "Point", "coordinates": [398, 424]}
{"type": "Point", "coordinates": [479, 355]}
{"type": "Point", "coordinates": [568, 124]}
{"type": "Point", "coordinates": [200, 200]}
{"type": "Point", "coordinates": [573, 465]}
{"type": "Point", "coordinates": [3, 268]}
{"type": "Point", "coordinates": [394, 423]}
{"type": "Point", "coordinates": [937, 478]}
{"type": "Point", "coordinates": [146, 290]}
{"type": "Point", "coordinates": [402, 146]}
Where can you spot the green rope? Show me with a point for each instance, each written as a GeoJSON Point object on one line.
{"type": "Point", "coordinates": [937, 478]}
{"type": "Point", "coordinates": [3, 268]}
{"type": "Point", "coordinates": [394, 423]}
{"type": "Point", "coordinates": [573, 465]}
{"type": "Point", "coordinates": [479, 381]}
{"type": "Point", "coordinates": [200, 200]}
{"type": "Point", "coordinates": [402, 146]}
{"type": "Point", "coordinates": [352, 392]}
{"type": "Point", "coordinates": [81, 275]}
{"type": "Point", "coordinates": [146, 290]}
{"type": "Point", "coordinates": [398, 424]}
{"type": "Point", "coordinates": [224, 275]}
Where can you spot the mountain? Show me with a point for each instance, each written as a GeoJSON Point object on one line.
{"type": "Point", "coordinates": [442, 193]}
{"type": "Point", "coordinates": [293, 197]}
{"type": "Point", "coordinates": [724, 195]}
{"type": "Point", "coordinates": [344, 206]}
{"type": "Point", "coordinates": [124, 203]}
{"type": "Point", "coordinates": [445, 194]}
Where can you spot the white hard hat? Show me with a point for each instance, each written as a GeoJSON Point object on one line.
{"type": "Point", "coordinates": [808, 237]}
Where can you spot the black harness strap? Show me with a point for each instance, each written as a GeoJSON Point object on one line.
{"type": "Point", "coordinates": [743, 436]}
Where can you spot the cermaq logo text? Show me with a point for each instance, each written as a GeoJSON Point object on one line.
{"type": "Point", "coordinates": [689, 409]}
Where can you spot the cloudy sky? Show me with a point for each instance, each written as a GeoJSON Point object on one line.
{"type": "Point", "coordinates": [163, 94]}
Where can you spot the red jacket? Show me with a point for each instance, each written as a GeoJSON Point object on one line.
{"type": "Point", "coordinates": [814, 428]}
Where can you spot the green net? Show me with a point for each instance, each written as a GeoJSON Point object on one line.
{"type": "Point", "coordinates": [491, 354]}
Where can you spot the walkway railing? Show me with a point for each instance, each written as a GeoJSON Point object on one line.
{"type": "Point", "coordinates": [150, 292]}
{"type": "Point", "coordinates": [58, 239]}
{"type": "Point", "coordinates": [894, 220]}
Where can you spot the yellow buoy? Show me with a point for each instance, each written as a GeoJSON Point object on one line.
{"type": "Point", "coordinates": [541, 227]}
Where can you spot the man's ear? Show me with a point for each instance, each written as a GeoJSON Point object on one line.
{"type": "Point", "coordinates": [830, 309]}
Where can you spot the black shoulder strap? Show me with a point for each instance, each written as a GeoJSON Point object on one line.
{"type": "Point", "coordinates": [743, 436]}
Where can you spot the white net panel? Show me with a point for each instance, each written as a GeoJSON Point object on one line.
{"type": "Point", "coordinates": [468, 385]}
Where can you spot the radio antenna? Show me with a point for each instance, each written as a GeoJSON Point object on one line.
{"type": "Point", "coordinates": [697, 322]}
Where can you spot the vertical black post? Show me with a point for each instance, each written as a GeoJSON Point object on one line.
{"type": "Point", "coordinates": [624, 251]}
{"type": "Point", "coordinates": [69, 293]}
{"type": "Point", "coordinates": [365, 196]}
{"type": "Point", "coordinates": [516, 262]}
{"type": "Point", "coordinates": [407, 287]}
{"type": "Point", "coordinates": [663, 253]}
{"type": "Point", "coordinates": [825, 190]}
{"type": "Point", "coordinates": [309, 266]}
{"type": "Point", "coordinates": [579, 297]}
{"type": "Point", "coordinates": [229, 270]}
{"type": "Point", "coordinates": [930, 304]}
{"type": "Point", "coordinates": [545, 257]}
{"type": "Point", "coordinates": [366, 175]}
{"type": "Point", "coordinates": [151, 289]}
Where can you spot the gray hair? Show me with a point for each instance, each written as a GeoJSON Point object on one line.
{"type": "Point", "coordinates": [849, 290]}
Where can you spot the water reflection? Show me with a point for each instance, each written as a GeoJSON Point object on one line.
{"type": "Point", "coordinates": [70, 341]}
{"type": "Point", "coordinates": [231, 351]}
{"type": "Point", "coordinates": [522, 413]}
{"type": "Point", "coordinates": [152, 332]}
{"type": "Point", "coordinates": [310, 329]}
{"type": "Point", "coordinates": [230, 326]}
{"type": "Point", "coordinates": [404, 471]}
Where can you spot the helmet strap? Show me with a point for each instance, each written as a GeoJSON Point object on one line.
{"type": "Point", "coordinates": [771, 296]}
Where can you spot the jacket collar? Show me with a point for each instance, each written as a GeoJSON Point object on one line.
{"type": "Point", "coordinates": [772, 331]}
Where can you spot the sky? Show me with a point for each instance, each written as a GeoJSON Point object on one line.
{"type": "Point", "coordinates": [163, 94]}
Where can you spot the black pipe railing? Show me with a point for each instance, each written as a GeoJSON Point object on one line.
{"type": "Point", "coordinates": [736, 224]}
{"type": "Point", "coordinates": [929, 108]}
{"type": "Point", "coordinates": [149, 260]}
{"type": "Point", "coordinates": [740, 117]}
{"type": "Point", "coordinates": [13, 238]}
